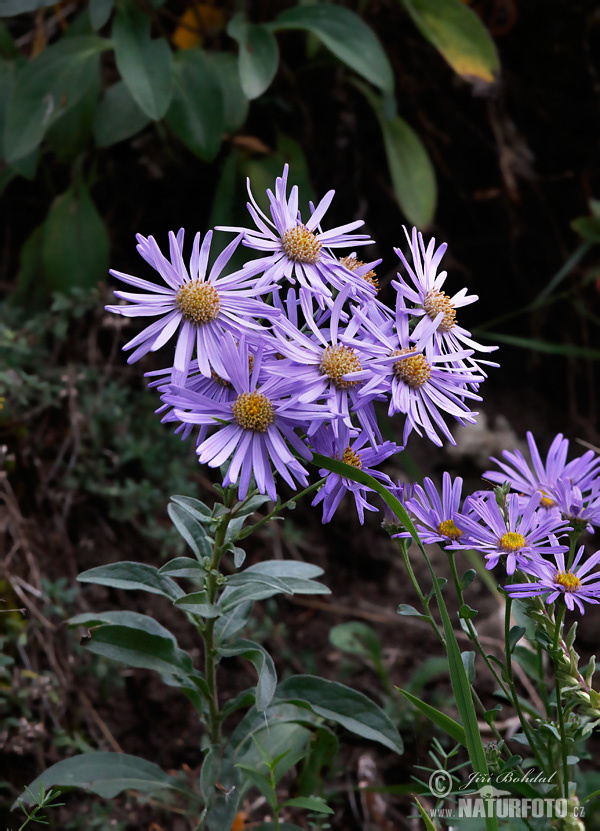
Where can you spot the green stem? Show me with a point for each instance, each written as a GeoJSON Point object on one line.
{"type": "Point", "coordinates": [403, 546]}
{"type": "Point", "coordinates": [278, 508]}
{"type": "Point", "coordinates": [560, 614]}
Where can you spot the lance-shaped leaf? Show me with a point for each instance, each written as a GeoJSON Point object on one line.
{"type": "Point", "coordinates": [198, 603]}
{"type": "Point", "coordinates": [346, 35]}
{"type": "Point", "coordinates": [183, 567]}
{"type": "Point", "coordinates": [458, 34]}
{"type": "Point", "coordinates": [262, 662]}
{"type": "Point", "coordinates": [191, 530]}
{"type": "Point", "coordinates": [46, 87]}
{"type": "Point", "coordinates": [410, 167]}
{"type": "Point", "coordinates": [345, 706]}
{"type": "Point", "coordinates": [285, 568]}
{"type": "Point", "coordinates": [448, 725]}
{"type": "Point", "coordinates": [196, 114]}
{"type": "Point", "coordinates": [194, 507]}
{"type": "Point", "coordinates": [232, 622]}
{"type": "Point", "coordinates": [146, 65]}
{"type": "Point", "coordinates": [132, 576]}
{"type": "Point", "coordinates": [258, 57]}
{"type": "Point", "coordinates": [105, 774]}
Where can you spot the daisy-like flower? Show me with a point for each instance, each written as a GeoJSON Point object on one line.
{"type": "Point", "coordinates": [581, 510]}
{"type": "Point", "coordinates": [255, 429]}
{"type": "Point", "coordinates": [436, 309]}
{"type": "Point", "coordinates": [300, 252]}
{"type": "Point", "coordinates": [575, 584]}
{"type": "Point", "coordinates": [352, 451]}
{"type": "Point", "coordinates": [435, 515]}
{"type": "Point", "coordinates": [519, 536]}
{"type": "Point", "coordinates": [424, 385]}
{"type": "Point", "coordinates": [537, 476]}
{"type": "Point", "coordinates": [200, 303]}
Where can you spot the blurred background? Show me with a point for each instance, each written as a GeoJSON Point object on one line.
{"type": "Point", "coordinates": [476, 121]}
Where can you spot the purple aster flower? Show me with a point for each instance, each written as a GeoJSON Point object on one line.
{"type": "Point", "coordinates": [575, 584]}
{"type": "Point", "coordinates": [436, 309]}
{"type": "Point", "coordinates": [255, 430]}
{"type": "Point", "coordinates": [300, 252]}
{"type": "Point", "coordinates": [422, 384]}
{"type": "Point", "coordinates": [435, 515]}
{"type": "Point", "coordinates": [200, 303]}
{"type": "Point", "coordinates": [540, 477]}
{"type": "Point", "coordinates": [580, 509]}
{"type": "Point", "coordinates": [519, 535]}
{"type": "Point", "coordinates": [353, 452]}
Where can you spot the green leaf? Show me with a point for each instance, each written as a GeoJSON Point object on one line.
{"type": "Point", "coordinates": [199, 604]}
{"type": "Point", "coordinates": [191, 530]}
{"type": "Point", "coordinates": [231, 597]}
{"type": "Point", "coordinates": [146, 65]}
{"type": "Point", "coordinates": [196, 509]}
{"type": "Point", "coordinates": [132, 620]}
{"type": "Point", "coordinates": [410, 167]}
{"type": "Point", "coordinates": [100, 11]}
{"type": "Point", "coordinates": [258, 56]}
{"type": "Point", "coordinates": [284, 744]}
{"type": "Point", "coordinates": [75, 247]}
{"type": "Point", "coordinates": [263, 663]}
{"type": "Point", "coordinates": [232, 622]}
{"type": "Point", "coordinates": [458, 34]}
{"type": "Point", "coordinates": [132, 576]}
{"type": "Point", "coordinates": [514, 636]}
{"type": "Point", "coordinates": [345, 706]}
{"type": "Point", "coordinates": [46, 87]}
{"type": "Point", "coordinates": [356, 638]}
{"type": "Point", "coordinates": [245, 578]}
{"type": "Point", "coordinates": [118, 117]}
{"type": "Point", "coordinates": [69, 135]}
{"type": "Point", "coordinates": [235, 103]}
{"type": "Point", "coordinates": [8, 8]}
{"type": "Point", "coordinates": [468, 659]}
{"type": "Point", "coordinates": [410, 611]}
{"type": "Point", "coordinates": [142, 650]}
{"type": "Point", "coordinates": [105, 774]}
{"type": "Point", "coordinates": [448, 725]}
{"type": "Point", "coordinates": [429, 826]}
{"type": "Point", "coordinates": [346, 35]}
{"type": "Point", "coordinates": [183, 567]}
{"type": "Point", "coordinates": [310, 803]}
{"type": "Point", "coordinates": [588, 227]}
{"type": "Point", "coordinates": [260, 781]}
{"type": "Point", "coordinates": [285, 568]}
{"type": "Point", "coordinates": [196, 113]}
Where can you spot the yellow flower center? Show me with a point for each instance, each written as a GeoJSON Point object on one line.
{"type": "Point", "coordinates": [512, 541]}
{"type": "Point", "coordinates": [351, 263]}
{"type": "Point", "coordinates": [447, 528]}
{"type": "Point", "coordinates": [436, 302]}
{"type": "Point", "coordinates": [301, 245]}
{"type": "Point", "coordinates": [546, 501]}
{"type": "Point", "coordinates": [253, 411]}
{"type": "Point", "coordinates": [569, 581]}
{"type": "Point", "coordinates": [349, 457]}
{"type": "Point", "coordinates": [336, 362]}
{"type": "Point", "coordinates": [413, 371]}
{"type": "Point", "coordinates": [198, 302]}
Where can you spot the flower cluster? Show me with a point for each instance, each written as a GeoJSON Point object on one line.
{"type": "Point", "coordinates": [290, 354]}
{"type": "Point", "coordinates": [531, 531]}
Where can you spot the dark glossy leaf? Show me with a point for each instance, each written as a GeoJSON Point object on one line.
{"type": "Point", "coordinates": [196, 114]}
{"type": "Point", "coordinates": [345, 706]}
{"type": "Point", "coordinates": [118, 117]}
{"type": "Point", "coordinates": [410, 167]}
{"type": "Point", "coordinates": [458, 34]}
{"type": "Point", "coordinates": [69, 135]}
{"type": "Point", "coordinates": [263, 663]}
{"type": "Point", "coordinates": [132, 576]}
{"type": "Point", "coordinates": [235, 103]}
{"type": "Point", "coordinates": [100, 11]}
{"type": "Point", "coordinates": [75, 243]}
{"type": "Point", "coordinates": [46, 88]}
{"type": "Point", "coordinates": [146, 65]}
{"type": "Point", "coordinates": [105, 774]}
{"type": "Point", "coordinates": [346, 35]}
{"type": "Point", "coordinates": [258, 55]}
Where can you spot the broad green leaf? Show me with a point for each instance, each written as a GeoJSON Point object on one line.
{"type": "Point", "coordinates": [196, 114]}
{"type": "Point", "coordinates": [194, 507]}
{"type": "Point", "coordinates": [183, 567]}
{"type": "Point", "coordinates": [146, 65]}
{"type": "Point", "coordinates": [199, 604]}
{"type": "Point", "coordinates": [141, 649]}
{"type": "Point", "coordinates": [132, 576]}
{"type": "Point", "coordinates": [410, 167]}
{"type": "Point", "coordinates": [69, 135]}
{"type": "Point", "coordinates": [75, 247]}
{"type": "Point", "coordinates": [8, 8]}
{"type": "Point", "coordinates": [46, 87]}
{"type": "Point", "coordinates": [254, 722]}
{"type": "Point", "coordinates": [285, 742]}
{"type": "Point", "coordinates": [346, 35]}
{"type": "Point", "coordinates": [232, 622]}
{"type": "Point", "coordinates": [105, 774]}
{"type": "Point", "coordinates": [100, 11]}
{"type": "Point", "coordinates": [259, 591]}
{"type": "Point", "coordinates": [448, 725]}
{"type": "Point", "coordinates": [263, 663]}
{"type": "Point", "coordinates": [246, 578]}
{"type": "Point", "coordinates": [339, 703]}
{"type": "Point", "coordinates": [285, 568]}
{"type": "Point", "coordinates": [235, 103]}
{"type": "Point", "coordinates": [118, 117]}
{"type": "Point", "coordinates": [356, 638]}
{"type": "Point", "coordinates": [309, 803]}
{"type": "Point", "coordinates": [191, 530]}
{"type": "Point", "coordinates": [131, 620]}
{"type": "Point", "coordinates": [258, 56]}
{"type": "Point", "coordinates": [458, 34]}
